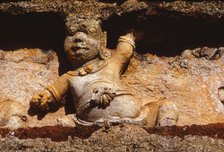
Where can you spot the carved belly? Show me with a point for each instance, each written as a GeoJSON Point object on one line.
{"type": "Point", "coordinates": [123, 105]}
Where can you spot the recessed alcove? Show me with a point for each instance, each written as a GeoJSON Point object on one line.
{"type": "Point", "coordinates": [46, 31]}
{"type": "Point", "coordinates": [166, 36]}
{"type": "Point", "coordinates": [36, 30]}
{"type": "Point", "coordinates": [6, 1]}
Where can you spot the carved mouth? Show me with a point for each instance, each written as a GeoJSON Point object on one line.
{"type": "Point", "coordinates": [75, 48]}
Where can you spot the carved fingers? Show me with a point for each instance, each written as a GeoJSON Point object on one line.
{"type": "Point", "coordinates": [41, 100]}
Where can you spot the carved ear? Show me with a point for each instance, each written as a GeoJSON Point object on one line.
{"type": "Point", "coordinates": [104, 52]}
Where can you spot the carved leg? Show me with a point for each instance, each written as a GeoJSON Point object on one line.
{"type": "Point", "coordinates": [160, 113]}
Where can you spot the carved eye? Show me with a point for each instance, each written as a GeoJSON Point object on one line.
{"type": "Point", "coordinates": [92, 30]}
{"type": "Point", "coordinates": [24, 118]}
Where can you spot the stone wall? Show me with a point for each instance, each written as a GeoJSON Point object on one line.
{"type": "Point", "coordinates": [180, 58]}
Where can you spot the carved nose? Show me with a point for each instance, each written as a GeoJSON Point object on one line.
{"type": "Point", "coordinates": [95, 90]}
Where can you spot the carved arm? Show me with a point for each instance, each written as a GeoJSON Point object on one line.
{"type": "Point", "coordinates": [53, 93]}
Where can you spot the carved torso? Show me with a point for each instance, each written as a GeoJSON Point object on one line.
{"type": "Point", "coordinates": [85, 88]}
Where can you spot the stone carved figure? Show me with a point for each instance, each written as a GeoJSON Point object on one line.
{"type": "Point", "coordinates": [98, 94]}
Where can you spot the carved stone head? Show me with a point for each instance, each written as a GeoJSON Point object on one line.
{"type": "Point", "coordinates": [85, 44]}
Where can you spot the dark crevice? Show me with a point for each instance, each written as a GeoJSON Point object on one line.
{"type": "Point", "coordinates": [118, 25]}
{"type": "Point", "coordinates": [59, 133]}
{"type": "Point", "coordinates": [119, 2]}
{"type": "Point", "coordinates": [7, 1]}
{"type": "Point", "coordinates": [46, 31]}
{"type": "Point", "coordinates": [55, 133]}
{"type": "Point", "coordinates": [164, 35]}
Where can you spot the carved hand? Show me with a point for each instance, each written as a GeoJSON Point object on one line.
{"type": "Point", "coordinates": [41, 100]}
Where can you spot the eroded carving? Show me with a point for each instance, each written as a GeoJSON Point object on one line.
{"type": "Point", "coordinates": [88, 42]}
{"type": "Point", "coordinates": [205, 52]}
{"type": "Point", "coordinates": [12, 115]}
{"type": "Point", "coordinates": [221, 94]}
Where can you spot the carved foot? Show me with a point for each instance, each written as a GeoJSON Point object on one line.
{"type": "Point", "coordinates": [168, 114]}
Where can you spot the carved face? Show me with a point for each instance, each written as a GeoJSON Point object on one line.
{"type": "Point", "coordinates": [85, 44]}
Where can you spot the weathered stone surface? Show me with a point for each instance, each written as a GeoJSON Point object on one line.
{"type": "Point", "coordinates": [25, 71]}
{"type": "Point", "coordinates": [169, 77]}
{"type": "Point", "coordinates": [118, 138]}
{"type": "Point", "coordinates": [191, 81]}
{"type": "Point", "coordinates": [192, 84]}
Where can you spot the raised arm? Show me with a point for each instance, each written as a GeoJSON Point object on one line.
{"type": "Point", "coordinates": [120, 57]}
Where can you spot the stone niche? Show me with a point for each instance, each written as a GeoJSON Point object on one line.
{"type": "Point", "coordinates": [166, 36]}
{"type": "Point", "coordinates": [179, 58]}
{"type": "Point", "coordinates": [32, 57]}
